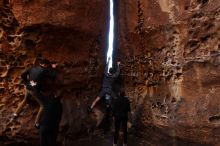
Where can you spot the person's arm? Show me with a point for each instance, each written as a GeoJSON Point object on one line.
{"type": "Point", "coordinates": [94, 102]}
{"type": "Point", "coordinates": [106, 67]}
{"type": "Point", "coordinates": [116, 74]}
{"type": "Point", "coordinates": [25, 75]}
{"type": "Point", "coordinates": [37, 119]}
{"type": "Point", "coordinates": [21, 105]}
{"type": "Point", "coordinates": [40, 99]}
{"type": "Point", "coordinates": [53, 71]}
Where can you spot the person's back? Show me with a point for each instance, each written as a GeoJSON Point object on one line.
{"type": "Point", "coordinates": [40, 75]}
{"type": "Point", "coordinates": [110, 77]}
{"type": "Point", "coordinates": [35, 73]}
{"type": "Point", "coordinates": [108, 81]}
{"type": "Point", "coordinates": [50, 84]}
{"type": "Point", "coordinates": [121, 107]}
{"type": "Point", "coordinates": [32, 74]}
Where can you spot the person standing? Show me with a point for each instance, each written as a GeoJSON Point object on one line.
{"type": "Point", "coordinates": [33, 79]}
{"type": "Point", "coordinates": [121, 108]}
{"type": "Point", "coordinates": [49, 123]}
{"type": "Point", "coordinates": [52, 108]}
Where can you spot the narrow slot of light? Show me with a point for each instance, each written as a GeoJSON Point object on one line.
{"type": "Point", "coordinates": [111, 35]}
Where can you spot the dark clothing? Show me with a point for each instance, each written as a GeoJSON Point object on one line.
{"type": "Point", "coordinates": [109, 79]}
{"type": "Point", "coordinates": [37, 74]}
{"type": "Point", "coordinates": [120, 122]}
{"type": "Point", "coordinates": [48, 136]}
{"type": "Point", "coordinates": [52, 109]}
{"type": "Point", "coordinates": [108, 82]}
{"type": "Point", "coordinates": [107, 120]}
{"type": "Point", "coordinates": [121, 107]}
{"type": "Point", "coordinates": [34, 73]}
{"type": "Point", "coordinates": [105, 91]}
{"type": "Point", "coordinates": [52, 84]}
{"type": "Point", "coordinates": [52, 112]}
{"type": "Point", "coordinates": [49, 123]}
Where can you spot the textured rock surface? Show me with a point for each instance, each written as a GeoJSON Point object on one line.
{"type": "Point", "coordinates": [172, 67]}
{"type": "Point", "coordinates": [170, 55]}
{"type": "Point", "coordinates": [35, 30]}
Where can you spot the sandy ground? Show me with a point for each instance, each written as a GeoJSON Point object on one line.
{"type": "Point", "coordinates": [108, 141]}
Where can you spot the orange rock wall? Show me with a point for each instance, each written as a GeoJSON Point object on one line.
{"type": "Point", "coordinates": [171, 70]}
{"type": "Point", "coordinates": [170, 64]}
{"type": "Point", "coordinates": [71, 33]}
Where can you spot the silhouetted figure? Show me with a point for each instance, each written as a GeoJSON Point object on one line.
{"type": "Point", "coordinates": [34, 79]}
{"type": "Point", "coordinates": [50, 95]}
{"type": "Point", "coordinates": [121, 108]}
{"type": "Point", "coordinates": [108, 112]}
{"type": "Point", "coordinates": [49, 123]}
{"type": "Point", "coordinates": [107, 94]}
{"type": "Point", "coordinates": [109, 78]}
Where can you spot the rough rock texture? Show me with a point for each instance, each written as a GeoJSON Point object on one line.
{"type": "Point", "coordinates": [73, 34]}
{"type": "Point", "coordinates": [171, 48]}
{"type": "Point", "coordinates": [170, 64]}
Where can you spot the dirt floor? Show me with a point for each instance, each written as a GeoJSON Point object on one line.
{"type": "Point", "coordinates": [108, 141]}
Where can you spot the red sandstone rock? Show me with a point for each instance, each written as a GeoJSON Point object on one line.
{"type": "Point", "coordinates": [170, 53]}
{"type": "Point", "coordinates": [83, 16]}
{"type": "Point", "coordinates": [71, 33]}
{"type": "Point", "coordinates": [173, 53]}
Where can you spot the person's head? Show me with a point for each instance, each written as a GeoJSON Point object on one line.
{"type": "Point", "coordinates": [111, 71]}
{"type": "Point", "coordinates": [53, 64]}
{"type": "Point", "coordinates": [44, 63]}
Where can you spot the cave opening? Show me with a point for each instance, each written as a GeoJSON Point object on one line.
{"type": "Point", "coordinates": [113, 24]}
{"type": "Point", "coordinates": [111, 34]}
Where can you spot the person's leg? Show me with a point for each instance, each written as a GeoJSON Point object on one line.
{"type": "Point", "coordinates": [21, 105]}
{"type": "Point", "coordinates": [107, 121]}
{"type": "Point", "coordinates": [39, 114]}
{"type": "Point", "coordinates": [44, 136]}
{"type": "Point", "coordinates": [38, 98]}
{"type": "Point", "coordinates": [117, 128]}
{"type": "Point", "coordinates": [53, 135]}
{"type": "Point", "coordinates": [125, 131]}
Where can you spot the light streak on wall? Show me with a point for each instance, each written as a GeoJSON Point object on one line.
{"type": "Point", "coordinates": [111, 35]}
